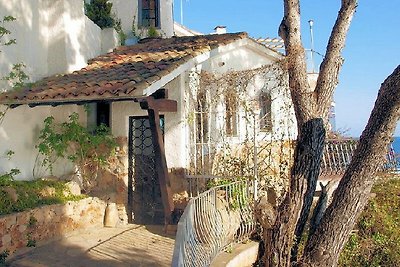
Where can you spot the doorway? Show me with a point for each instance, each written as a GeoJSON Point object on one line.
{"type": "Point", "coordinates": [144, 195]}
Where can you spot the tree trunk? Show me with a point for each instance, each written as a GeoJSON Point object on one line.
{"type": "Point", "coordinates": [279, 239]}
{"type": "Point", "coordinates": [309, 105]}
{"type": "Point", "coordinates": [324, 247]}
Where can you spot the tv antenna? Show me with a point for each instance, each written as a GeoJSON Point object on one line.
{"type": "Point", "coordinates": [311, 23]}
{"type": "Point", "coordinates": [182, 11]}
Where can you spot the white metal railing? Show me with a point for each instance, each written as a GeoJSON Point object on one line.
{"type": "Point", "coordinates": [338, 153]}
{"type": "Point", "coordinates": [213, 220]}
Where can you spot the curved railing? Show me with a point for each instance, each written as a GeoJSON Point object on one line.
{"type": "Point", "coordinates": [213, 220]}
{"type": "Point", "coordinates": [338, 153]}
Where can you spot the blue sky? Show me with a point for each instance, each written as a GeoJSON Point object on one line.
{"type": "Point", "coordinates": [372, 49]}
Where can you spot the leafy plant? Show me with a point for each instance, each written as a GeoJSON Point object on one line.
{"type": "Point", "coordinates": [70, 140]}
{"type": "Point", "coordinates": [4, 31]}
{"type": "Point", "coordinates": [3, 257]}
{"type": "Point", "coordinates": [17, 77]}
{"type": "Point", "coordinates": [99, 11]}
{"type": "Point", "coordinates": [32, 221]}
{"type": "Point", "coordinates": [120, 32]}
{"type": "Point", "coordinates": [376, 239]}
{"type": "Point", "coordinates": [237, 193]}
{"type": "Point", "coordinates": [8, 177]}
{"type": "Point", "coordinates": [31, 242]}
{"type": "Point", "coordinates": [152, 32]}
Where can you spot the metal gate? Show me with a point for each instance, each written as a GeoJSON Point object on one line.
{"type": "Point", "coordinates": [144, 195]}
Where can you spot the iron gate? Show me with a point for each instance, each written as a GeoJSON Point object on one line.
{"type": "Point", "coordinates": [144, 195]}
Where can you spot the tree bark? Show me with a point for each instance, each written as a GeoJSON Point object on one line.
{"type": "Point", "coordinates": [308, 156]}
{"type": "Point", "coordinates": [302, 94]}
{"type": "Point", "coordinates": [309, 105]}
{"type": "Point", "coordinates": [324, 247]}
{"type": "Point", "coordinates": [328, 77]}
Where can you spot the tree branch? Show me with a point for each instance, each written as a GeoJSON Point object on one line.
{"type": "Point", "coordinates": [302, 94]}
{"type": "Point", "coordinates": [328, 77]}
{"type": "Point", "coordinates": [323, 247]}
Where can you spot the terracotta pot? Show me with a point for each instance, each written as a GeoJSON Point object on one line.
{"type": "Point", "coordinates": [111, 215]}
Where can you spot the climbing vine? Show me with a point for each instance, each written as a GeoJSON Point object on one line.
{"type": "Point", "coordinates": [228, 120]}
{"type": "Point", "coordinates": [15, 79]}
{"type": "Point", "coordinates": [87, 150]}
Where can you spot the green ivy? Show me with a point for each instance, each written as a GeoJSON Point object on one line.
{"type": "Point", "coordinates": [70, 140]}
{"type": "Point", "coordinates": [4, 31]}
{"type": "Point", "coordinates": [17, 77]}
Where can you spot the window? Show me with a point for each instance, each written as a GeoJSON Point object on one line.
{"type": "Point", "coordinates": [97, 114]}
{"type": "Point", "coordinates": [231, 113]}
{"type": "Point", "coordinates": [103, 114]}
{"type": "Point", "coordinates": [265, 112]}
{"type": "Point", "coordinates": [149, 13]}
{"type": "Point", "coordinates": [202, 118]}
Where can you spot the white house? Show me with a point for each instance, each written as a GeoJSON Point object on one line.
{"type": "Point", "coordinates": [147, 93]}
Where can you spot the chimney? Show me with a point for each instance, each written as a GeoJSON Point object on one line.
{"type": "Point", "coordinates": [220, 30]}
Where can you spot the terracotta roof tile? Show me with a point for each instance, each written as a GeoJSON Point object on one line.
{"type": "Point", "coordinates": [121, 72]}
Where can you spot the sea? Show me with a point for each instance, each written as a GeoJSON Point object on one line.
{"type": "Point", "coordinates": [396, 148]}
{"type": "Point", "coordinates": [396, 145]}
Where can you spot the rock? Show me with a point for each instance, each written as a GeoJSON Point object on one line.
{"type": "Point", "coordinates": [12, 193]}
{"type": "Point", "coordinates": [6, 239]}
{"type": "Point", "coordinates": [72, 188]}
{"type": "Point", "coordinates": [48, 191]}
{"type": "Point", "coordinates": [50, 178]}
{"type": "Point", "coordinates": [74, 177]}
{"type": "Point", "coordinates": [12, 220]}
{"type": "Point", "coordinates": [22, 228]}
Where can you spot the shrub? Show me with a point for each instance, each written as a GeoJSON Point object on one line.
{"type": "Point", "coordinates": [376, 239]}
{"type": "Point", "coordinates": [99, 11]}
{"type": "Point", "coordinates": [29, 195]}
{"type": "Point", "coordinates": [3, 257]}
{"type": "Point", "coordinates": [70, 140]}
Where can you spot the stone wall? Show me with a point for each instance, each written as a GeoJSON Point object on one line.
{"type": "Point", "coordinates": [112, 183]}
{"type": "Point", "coordinates": [17, 230]}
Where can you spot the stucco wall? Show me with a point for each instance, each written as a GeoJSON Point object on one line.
{"type": "Point", "coordinates": [127, 11]}
{"type": "Point", "coordinates": [174, 123]}
{"type": "Point", "coordinates": [177, 124]}
{"type": "Point", "coordinates": [19, 132]}
{"type": "Point", "coordinates": [244, 58]}
{"type": "Point", "coordinates": [53, 36]}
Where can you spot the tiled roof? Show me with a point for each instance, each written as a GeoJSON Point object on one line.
{"type": "Point", "coordinates": [119, 74]}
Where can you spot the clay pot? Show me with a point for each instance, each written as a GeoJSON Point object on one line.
{"type": "Point", "coordinates": [111, 215]}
